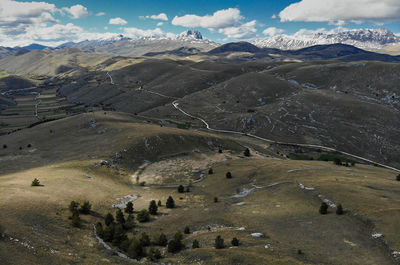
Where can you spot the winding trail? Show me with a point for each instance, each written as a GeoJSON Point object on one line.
{"type": "Point", "coordinates": [111, 80]}
{"type": "Point", "coordinates": [175, 104]}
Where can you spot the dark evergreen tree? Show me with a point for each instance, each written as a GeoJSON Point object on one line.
{"type": "Point", "coordinates": [181, 189]}
{"type": "Point", "coordinates": [220, 150]}
{"type": "Point", "coordinates": [35, 182]}
{"type": "Point", "coordinates": [130, 222]}
{"type": "Point", "coordinates": [144, 240]}
{"type": "Point", "coordinates": [339, 210]}
{"type": "Point", "coordinates": [85, 207]}
{"type": "Point", "coordinates": [75, 219]}
{"type": "Point", "coordinates": [108, 233]}
{"type": "Point", "coordinates": [210, 171]}
{"type": "Point", "coordinates": [108, 219]}
{"type": "Point", "coordinates": [73, 206]}
{"type": "Point", "coordinates": [154, 254]}
{"type": "Point", "coordinates": [246, 152]}
{"type": "Point", "coordinates": [129, 208]}
{"type": "Point", "coordinates": [324, 208]}
{"type": "Point", "coordinates": [170, 202]}
{"type": "Point", "coordinates": [99, 229]}
{"type": "Point", "coordinates": [398, 177]}
{"type": "Point", "coordinates": [125, 245]}
{"type": "Point", "coordinates": [235, 242]}
{"type": "Point", "coordinates": [161, 240]}
{"type": "Point", "coordinates": [219, 242]}
{"type": "Point", "coordinates": [195, 244]}
{"type": "Point", "coordinates": [120, 217]}
{"type": "Point", "coordinates": [215, 199]}
{"type": "Point", "coordinates": [186, 230]}
{"type": "Point", "coordinates": [135, 250]}
{"type": "Point", "coordinates": [153, 208]}
{"type": "Point", "coordinates": [337, 161]}
{"type": "Point", "coordinates": [119, 235]}
{"type": "Point", "coordinates": [228, 175]}
{"type": "Point", "coordinates": [159, 204]}
{"type": "Point", "coordinates": [143, 216]}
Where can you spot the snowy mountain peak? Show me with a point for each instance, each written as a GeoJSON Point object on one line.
{"type": "Point", "coordinates": [362, 38]}
{"type": "Point", "coordinates": [190, 34]}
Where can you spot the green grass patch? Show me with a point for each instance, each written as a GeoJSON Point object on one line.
{"type": "Point", "coordinates": [3, 75]}
{"type": "Point", "coordinates": [295, 156]}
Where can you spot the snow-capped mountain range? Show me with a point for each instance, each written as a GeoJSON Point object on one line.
{"type": "Point", "coordinates": [363, 38]}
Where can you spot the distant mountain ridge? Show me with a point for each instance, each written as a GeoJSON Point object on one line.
{"type": "Point", "coordinates": [363, 38]}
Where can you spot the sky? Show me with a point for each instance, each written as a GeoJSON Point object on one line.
{"type": "Point", "coordinates": [53, 22]}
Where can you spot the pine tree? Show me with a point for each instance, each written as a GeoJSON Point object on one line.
{"type": "Point", "coordinates": [215, 199]}
{"type": "Point", "coordinates": [119, 235]}
{"type": "Point", "coordinates": [339, 210]}
{"type": "Point", "coordinates": [153, 208]}
{"type": "Point", "coordinates": [76, 220]}
{"type": "Point", "coordinates": [129, 208]}
{"type": "Point", "coordinates": [228, 175]}
{"type": "Point", "coordinates": [235, 242]}
{"type": "Point", "coordinates": [219, 242]}
{"type": "Point", "coordinates": [108, 233]}
{"type": "Point", "coordinates": [109, 219]}
{"type": "Point", "coordinates": [144, 240]}
{"type": "Point", "coordinates": [186, 230]}
{"type": "Point", "coordinates": [73, 206]}
{"type": "Point", "coordinates": [143, 216]}
{"type": "Point", "coordinates": [154, 254]}
{"type": "Point", "coordinates": [195, 244]}
{"type": "Point", "coordinates": [398, 177]}
{"type": "Point", "coordinates": [161, 240]}
{"type": "Point", "coordinates": [35, 182]}
{"type": "Point", "coordinates": [135, 250]}
{"type": "Point", "coordinates": [125, 245]}
{"type": "Point", "coordinates": [170, 202]}
{"type": "Point", "coordinates": [159, 204]}
{"type": "Point", "coordinates": [210, 171]}
{"type": "Point", "coordinates": [130, 222]}
{"type": "Point", "coordinates": [99, 229]}
{"type": "Point", "coordinates": [85, 207]}
{"type": "Point", "coordinates": [246, 152]}
{"type": "Point", "coordinates": [181, 189]}
{"type": "Point", "coordinates": [324, 208]}
{"type": "Point", "coordinates": [120, 217]}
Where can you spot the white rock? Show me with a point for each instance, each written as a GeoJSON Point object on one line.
{"type": "Point", "coordinates": [257, 235]}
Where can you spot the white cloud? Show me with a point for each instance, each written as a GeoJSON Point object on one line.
{"type": "Point", "coordinates": [225, 21]}
{"type": "Point", "coordinates": [76, 11]}
{"type": "Point", "coordinates": [244, 31]}
{"type": "Point", "coordinates": [272, 31]}
{"type": "Point", "coordinates": [342, 10]}
{"type": "Point", "coordinates": [161, 16]}
{"type": "Point", "coordinates": [159, 24]}
{"type": "Point", "coordinates": [100, 14]}
{"type": "Point", "coordinates": [138, 33]}
{"type": "Point", "coordinates": [117, 21]}
{"type": "Point", "coordinates": [220, 19]}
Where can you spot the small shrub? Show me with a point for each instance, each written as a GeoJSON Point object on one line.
{"type": "Point", "coordinates": [143, 183]}
{"type": "Point", "coordinates": [246, 152]}
{"type": "Point", "coordinates": [195, 244]}
{"type": "Point", "coordinates": [228, 175]}
{"type": "Point", "coordinates": [187, 189]}
{"type": "Point", "coordinates": [120, 217]}
{"type": "Point", "coordinates": [339, 210]}
{"type": "Point", "coordinates": [108, 219]}
{"type": "Point", "coordinates": [235, 242]}
{"type": "Point", "coordinates": [119, 235]}
{"type": "Point", "coordinates": [99, 230]}
{"type": "Point", "coordinates": [29, 146]}
{"type": "Point", "coordinates": [220, 150]}
{"type": "Point", "coordinates": [35, 183]}
{"type": "Point", "coordinates": [300, 252]}
{"type": "Point", "coordinates": [159, 204]}
{"type": "Point", "coordinates": [215, 199]}
{"type": "Point", "coordinates": [108, 233]}
{"type": "Point", "coordinates": [4, 146]}
{"type": "Point", "coordinates": [143, 216]}
{"type": "Point", "coordinates": [20, 148]}
{"type": "Point", "coordinates": [170, 203]}
{"type": "Point", "coordinates": [144, 240]}
{"type": "Point", "coordinates": [337, 161]}
{"type": "Point", "coordinates": [181, 189]}
{"type": "Point", "coordinates": [398, 177]}
{"type": "Point", "coordinates": [219, 242]}
{"type": "Point", "coordinates": [129, 208]}
{"type": "Point", "coordinates": [175, 245]}
{"type": "Point", "coordinates": [154, 254]}
{"type": "Point", "coordinates": [186, 230]}
{"type": "Point", "coordinates": [324, 208]}
{"type": "Point", "coordinates": [153, 208]}
{"type": "Point", "coordinates": [75, 220]}
{"type": "Point", "coordinates": [161, 240]}
{"type": "Point", "coordinates": [210, 171]}
{"type": "Point", "coordinates": [135, 250]}
{"type": "Point", "coordinates": [73, 206]}
{"type": "Point", "coordinates": [85, 207]}
{"type": "Point", "coordinates": [130, 222]}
